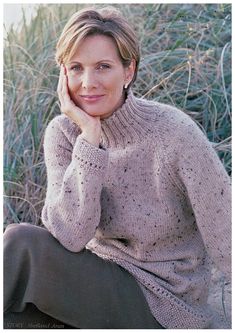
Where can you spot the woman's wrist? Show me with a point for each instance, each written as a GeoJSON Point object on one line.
{"type": "Point", "coordinates": [92, 138]}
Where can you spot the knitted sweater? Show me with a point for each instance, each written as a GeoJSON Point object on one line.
{"type": "Point", "coordinates": [154, 198]}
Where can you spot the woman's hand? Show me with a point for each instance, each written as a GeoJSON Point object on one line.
{"type": "Point", "coordinates": [90, 126]}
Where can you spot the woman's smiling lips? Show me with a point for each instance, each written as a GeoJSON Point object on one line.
{"type": "Point", "coordinates": [91, 98]}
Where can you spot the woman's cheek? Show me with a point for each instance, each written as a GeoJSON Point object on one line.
{"type": "Point", "coordinates": [73, 89]}
{"type": "Point", "coordinates": [72, 82]}
{"type": "Point", "coordinates": [73, 86]}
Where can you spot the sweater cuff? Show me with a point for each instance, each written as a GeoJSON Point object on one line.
{"type": "Point", "coordinates": [89, 156]}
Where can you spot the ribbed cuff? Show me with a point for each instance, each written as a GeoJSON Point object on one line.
{"type": "Point", "coordinates": [89, 156]}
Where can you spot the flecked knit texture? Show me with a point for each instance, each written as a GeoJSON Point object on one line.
{"type": "Point", "coordinates": [154, 198]}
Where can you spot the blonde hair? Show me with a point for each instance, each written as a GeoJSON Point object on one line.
{"type": "Point", "coordinates": [106, 21]}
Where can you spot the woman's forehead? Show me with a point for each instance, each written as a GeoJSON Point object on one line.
{"type": "Point", "coordinates": [95, 49]}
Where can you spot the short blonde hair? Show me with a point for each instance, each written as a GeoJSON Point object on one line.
{"type": "Point", "coordinates": [106, 21]}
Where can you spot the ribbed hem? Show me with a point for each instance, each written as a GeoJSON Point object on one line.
{"type": "Point", "coordinates": [163, 303]}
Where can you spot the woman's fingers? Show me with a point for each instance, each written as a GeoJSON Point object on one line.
{"type": "Point", "coordinates": [63, 93]}
{"type": "Point", "coordinates": [65, 90]}
{"type": "Point", "coordinates": [64, 81]}
{"type": "Point", "coordinates": [59, 86]}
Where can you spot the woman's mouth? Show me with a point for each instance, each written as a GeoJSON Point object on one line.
{"type": "Point", "coordinates": [91, 98]}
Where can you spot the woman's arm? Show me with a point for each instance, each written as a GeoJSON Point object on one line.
{"type": "Point", "coordinates": [75, 176]}
{"type": "Point", "coordinates": [207, 185]}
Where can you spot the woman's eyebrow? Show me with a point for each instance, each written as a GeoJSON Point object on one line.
{"type": "Point", "coordinates": [102, 60]}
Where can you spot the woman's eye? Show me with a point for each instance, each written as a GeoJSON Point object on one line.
{"type": "Point", "coordinates": [78, 68]}
{"type": "Point", "coordinates": [75, 68]}
{"type": "Point", "coordinates": [104, 66]}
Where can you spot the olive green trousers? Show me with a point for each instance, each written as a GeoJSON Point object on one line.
{"type": "Point", "coordinates": [45, 285]}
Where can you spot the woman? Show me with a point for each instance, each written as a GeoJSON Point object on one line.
{"type": "Point", "coordinates": [136, 200]}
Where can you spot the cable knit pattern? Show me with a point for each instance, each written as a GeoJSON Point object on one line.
{"type": "Point", "coordinates": [154, 198]}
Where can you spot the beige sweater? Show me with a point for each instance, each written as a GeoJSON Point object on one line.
{"type": "Point", "coordinates": [154, 198]}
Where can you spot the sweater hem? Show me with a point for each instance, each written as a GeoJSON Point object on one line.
{"type": "Point", "coordinates": [161, 303]}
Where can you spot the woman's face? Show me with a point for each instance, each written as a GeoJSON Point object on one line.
{"type": "Point", "coordinates": [96, 76]}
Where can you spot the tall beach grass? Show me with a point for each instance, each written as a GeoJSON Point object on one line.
{"type": "Point", "coordinates": [186, 62]}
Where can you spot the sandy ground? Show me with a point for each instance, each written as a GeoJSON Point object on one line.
{"type": "Point", "coordinates": [220, 301]}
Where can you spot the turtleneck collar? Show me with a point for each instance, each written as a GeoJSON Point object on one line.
{"type": "Point", "coordinates": [129, 123]}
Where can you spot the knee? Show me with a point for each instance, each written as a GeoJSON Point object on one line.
{"type": "Point", "coordinates": [16, 234]}
{"type": "Point", "coordinates": [17, 230]}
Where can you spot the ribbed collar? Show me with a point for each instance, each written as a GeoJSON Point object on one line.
{"type": "Point", "coordinates": [128, 124]}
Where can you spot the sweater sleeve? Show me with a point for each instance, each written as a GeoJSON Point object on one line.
{"type": "Point", "coordinates": [205, 182]}
{"type": "Point", "coordinates": [74, 182]}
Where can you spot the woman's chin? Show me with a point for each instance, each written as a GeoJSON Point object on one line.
{"type": "Point", "coordinates": [96, 109]}
{"type": "Point", "coordinates": [97, 112]}
{"type": "Point", "coordinates": [91, 111]}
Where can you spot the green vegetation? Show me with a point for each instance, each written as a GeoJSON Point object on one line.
{"type": "Point", "coordinates": [186, 62]}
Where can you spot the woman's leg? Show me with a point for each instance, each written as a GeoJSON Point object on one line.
{"type": "Point", "coordinates": [79, 289]}
{"type": "Point", "coordinates": [32, 318]}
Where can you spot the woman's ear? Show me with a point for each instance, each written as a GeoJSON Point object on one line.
{"type": "Point", "coordinates": [130, 71]}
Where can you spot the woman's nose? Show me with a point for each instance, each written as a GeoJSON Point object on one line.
{"type": "Point", "coordinates": [88, 80]}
